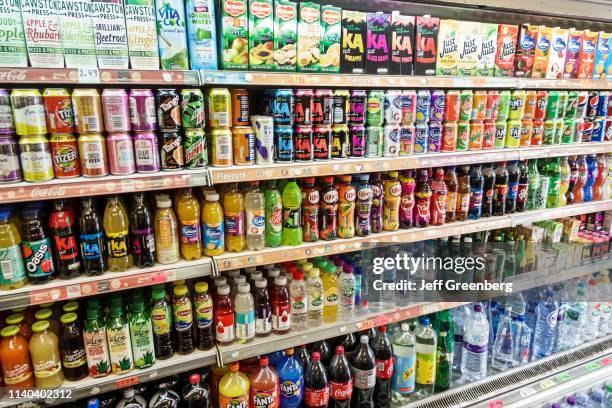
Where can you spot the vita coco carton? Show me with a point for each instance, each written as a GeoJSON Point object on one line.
{"type": "Point", "coordinates": [234, 35]}
{"type": "Point", "coordinates": [448, 48]}
{"type": "Point", "coordinates": [13, 52]}
{"type": "Point", "coordinates": [172, 34]}
{"type": "Point", "coordinates": [353, 42]}
{"type": "Point", "coordinates": [261, 35]}
{"type": "Point", "coordinates": [42, 33]}
{"type": "Point", "coordinates": [285, 35]}
{"type": "Point", "coordinates": [331, 18]}
{"type": "Point", "coordinates": [76, 31]}
{"type": "Point", "coordinates": [309, 37]}
{"type": "Point", "coordinates": [142, 34]}
{"type": "Point", "coordinates": [110, 34]}
{"type": "Point", "coordinates": [201, 34]}
{"type": "Point", "coordinates": [469, 48]}
{"type": "Point", "coordinates": [487, 49]}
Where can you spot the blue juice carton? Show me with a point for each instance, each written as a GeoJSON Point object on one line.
{"type": "Point", "coordinates": [201, 34]}
{"type": "Point", "coordinates": [602, 56]}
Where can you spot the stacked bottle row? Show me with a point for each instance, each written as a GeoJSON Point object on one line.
{"type": "Point", "coordinates": [592, 397]}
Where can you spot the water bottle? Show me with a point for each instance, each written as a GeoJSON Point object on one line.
{"type": "Point", "coordinates": [606, 307]}
{"type": "Point", "coordinates": [597, 398]}
{"type": "Point", "coordinates": [426, 358]}
{"type": "Point", "coordinates": [582, 400]}
{"type": "Point", "coordinates": [475, 347]}
{"type": "Point", "coordinates": [404, 365]}
{"type": "Point", "coordinates": [561, 296]}
{"type": "Point", "coordinates": [573, 323]}
{"type": "Point", "coordinates": [533, 298]}
{"type": "Point", "coordinates": [503, 355]}
{"type": "Point", "coordinates": [459, 315]}
{"type": "Point", "coordinates": [522, 340]}
{"type": "Point", "coordinates": [389, 276]}
{"type": "Point", "coordinates": [546, 323]}
{"type": "Point", "coordinates": [569, 402]}
{"type": "Point", "coordinates": [591, 330]}
{"type": "Point", "coordinates": [516, 301]}
{"type": "Point", "coordinates": [608, 397]}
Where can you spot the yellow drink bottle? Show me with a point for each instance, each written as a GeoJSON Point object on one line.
{"type": "Point", "coordinates": [234, 388]}
{"type": "Point", "coordinates": [330, 294]}
{"type": "Point", "coordinates": [212, 220]}
{"type": "Point", "coordinates": [12, 270]}
{"type": "Point", "coordinates": [233, 210]}
{"type": "Point", "coordinates": [116, 229]}
{"type": "Point", "coordinates": [565, 181]}
{"type": "Point", "coordinates": [391, 201]}
{"type": "Point", "coordinates": [166, 231]}
{"type": "Point", "coordinates": [188, 210]}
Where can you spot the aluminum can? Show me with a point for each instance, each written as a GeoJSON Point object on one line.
{"type": "Point", "coordinates": [421, 138]}
{"type": "Point", "coordinates": [517, 104]}
{"type": "Point", "coordinates": [548, 132]}
{"type": "Point", "coordinates": [513, 133]}
{"type": "Point", "coordinates": [357, 138]}
{"type": "Point", "coordinates": [7, 126]}
{"type": "Point", "coordinates": [304, 143]}
{"type": "Point", "coordinates": [504, 105]}
{"type": "Point", "coordinates": [466, 103]}
{"type": "Point", "coordinates": [423, 106]}
{"type": "Point", "coordinates": [571, 109]}
{"type": "Point", "coordinates": [87, 110]}
{"type": "Point", "coordinates": [266, 99]}
{"type": "Point", "coordinates": [541, 105]}
{"type": "Point", "coordinates": [409, 101]}
{"type": "Point", "coordinates": [58, 109]}
{"type": "Point", "coordinates": [558, 130]}
{"type": "Point", "coordinates": [599, 129]}
{"type": "Point", "coordinates": [438, 102]}
{"type": "Point", "coordinates": [587, 129]}
{"type": "Point", "coordinates": [143, 116]}
{"type": "Point", "coordinates": [392, 107]}
{"type": "Point", "coordinates": [304, 104]}
{"type": "Point", "coordinates": [563, 97]}
{"type": "Point", "coordinates": [192, 108]}
{"type": "Point", "coordinates": [449, 136]}
{"type": "Point", "coordinates": [171, 151]}
{"type": "Point", "coordinates": [531, 100]}
{"type": "Point", "coordinates": [488, 135]}
{"type": "Point", "coordinates": [603, 103]}
{"type": "Point", "coordinates": [501, 128]}
{"type": "Point", "coordinates": [391, 139]}
{"type": "Point", "coordinates": [463, 135]}
{"type": "Point", "coordinates": [537, 130]}
{"type": "Point", "coordinates": [194, 145]}
{"type": "Point", "coordinates": [322, 107]}
{"type": "Point", "coordinates": [579, 130]}
{"type": "Point", "coordinates": [406, 139]}
{"type": "Point", "coordinates": [221, 152]}
{"type": "Point", "coordinates": [569, 131]}
{"type": "Point", "coordinates": [92, 152]}
{"type": "Point", "coordinates": [219, 108]}
{"type": "Point", "coordinates": [28, 112]}
{"type": "Point", "coordinates": [263, 126]}
{"type": "Point", "coordinates": [434, 137]}
{"type": "Point", "coordinates": [120, 149]}
{"type": "Point", "coordinates": [243, 145]}
{"type": "Point", "coordinates": [492, 105]}
{"type": "Point", "coordinates": [452, 106]}
{"type": "Point", "coordinates": [341, 106]}
{"type": "Point", "coordinates": [374, 141]}
{"type": "Point", "coordinates": [340, 142]}
{"type": "Point", "coordinates": [283, 105]}
{"type": "Point", "coordinates": [552, 108]}
{"type": "Point", "coordinates": [357, 107]}
{"type": "Point", "coordinates": [35, 156]}
{"type": "Point", "coordinates": [65, 155]}
{"type": "Point", "coordinates": [608, 131]}
{"type": "Point", "coordinates": [374, 108]}
{"type": "Point", "coordinates": [476, 135]}
{"type": "Point", "coordinates": [526, 130]}
{"type": "Point", "coordinates": [146, 152]}
{"type": "Point", "coordinates": [116, 110]}
{"type": "Point", "coordinates": [168, 109]}
{"type": "Point", "coordinates": [241, 107]}
{"type": "Point", "coordinates": [583, 102]}
{"type": "Point", "coordinates": [285, 150]}
{"type": "Point", "coordinates": [10, 169]}
{"type": "Point", "coordinates": [322, 142]}
{"type": "Point", "coordinates": [479, 105]}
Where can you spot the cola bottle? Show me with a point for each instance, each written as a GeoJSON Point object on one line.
{"type": "Point", "coordinates": [349, 343]}
{"type": "Point", "coordinates": [422, 200]}
{"type": "Point", "coordinates": [363, 369]}
{"type": "Point", "coordinates": [316, 390]}
{"type": "Point", "coordinates": [304, 356]}
{"type": "Point", "coordinates": [488, 190]}
{"type": "Point", "coordinates": [523, 187]}
{"type": "Point", "coordinates": [501, 189]}
{"type": "Point", "coordinates": [142, 240]}
{"type": "Point", "coordinates": [572, 181]}
{"type": "Point", "coordinates": [92, 239]}
{"type": "Point", "coordinates": [340, 380]}
{"type": "Point", "coordinates": [476, 192]}
{"type": "Point", "coordinates": [383, 351]}
{"type": "Point", "coordinates": [62, 230]}
{"type": "Point", "coordinates": [513, 182]}
{"type": "Point", "coordinates": [324, 349]}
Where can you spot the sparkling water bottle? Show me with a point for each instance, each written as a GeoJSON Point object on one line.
{"type": "Point", "coordinates": [591, 331]}
{"type": "Point", "coordinates": [404, 365]}
{"type": "Point", "coordinates": [503, 355]}
{"type": "Point", "coordinates": [545, 327]}
{"type": "Point", "coordinates": [475, 347]}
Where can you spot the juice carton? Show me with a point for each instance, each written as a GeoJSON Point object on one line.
{"type": "Point", "coordinates": [13, 52]}
{"type": "Point", "coordinates": [448, 48]}
{"type": "Point", "coordinates": [558, 49]}
{"type": "Point", "coordinates": [542, 52]}
{"type": "Point", "coordinates": [402, 36]}
{"type": "Point", "coordinates": [141, 28]}
{"type": "Point", "coordinates": [76, 31]}
{"type": "Point", "coordinates": [353, 42]}
{"type": "Point", "coordinates": [331, 30]}
{"type": "Point", "coordinates": [377, 52]}
{"type": "Point", "coordinates": [602, 57]}
{"type": "Point", "coordinates": [234, 35]}
{"type": "Point", "coordinates": [586, 62]}
{"type": "Point", "coordinates": [525, 50]}
{"type": "Point", "coordinates": [488, 49]}
{"type": "Point", "coordinates": [469, 43]}
{"type": "Point", "coordinates": [285, 35]}
{"type": "Point", "coordinates": [201, 34]}
{"type": "Point", "coordinates": [41, 27]}
{"type": "Point", "coordinates": [309, 37]}
{"type": "Point", "coordinates": [609, 63]}
{"type": "Point", "coordinates": [261, 35]}
{"type": "Point", "coordinates": [506, 46]}
{"type": "Point", "coordinates": [110, 34]}
{"type": "Point", "coordinates": [426, 45]}
{"type": "Point", "coordinates": [172, 34]}
{"type": "Point", "coordinates": [572, 54]}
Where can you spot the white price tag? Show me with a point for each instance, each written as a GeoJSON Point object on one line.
{"type": "Point", "coordinates": [73, 291]}
{"type": "Point", "coordinates": [89, 75]}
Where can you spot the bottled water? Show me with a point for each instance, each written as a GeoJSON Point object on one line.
{"type": "Point", "coordinates": [426, 358]}
{"type": "Point", "coordinates": [606, 307]}
{"type": "Point", "coordinates": [597, 398]}
{"type": "Point", "coordinates": [522, 340]}
{"type": "Point", "coordinates": [582, 400]}
{"type": "Point", "coordinates": [460, 315]}
{"type": "Point", "coordinates": [533, 298]}
{"type": "Point", "coordinates": [591, 330]}
{"type": "Point", "coordinates": [314, 288]}
{"type": "Point", "coordinates": [560, 294]}
{"type": "Point", "coordinates": [545, 327]}
{"type": "Point", "coordinates": [475, 347]}
{"type": "Point", "coordinates": [346, 304]}
{"type": "Point", "coordinates": [404, 365]}
{"type": "Point", "coordinates": [389, 276]}
{"type": "Point", "coordinates": [503, 355]}
{"type": "Point", "coordinates": [516, 301]}
{"type": "Point", "coordinates": [574, 319]}
{"type": "Point", "coordinates": [496, 314]}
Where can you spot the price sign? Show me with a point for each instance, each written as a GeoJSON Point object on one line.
{"type": "Point", "coordinates": [127, 382]}
{"type": "Point", "coordinates": [563, 377]}
{"type": "Point", "coordinates": [495, 404]}
{"type": "Point", "coordinates": [547, 384]}
{"type": "Point", "coordinates": [592, 366]}
{"type": "Point", "coordinates": [89, 75]}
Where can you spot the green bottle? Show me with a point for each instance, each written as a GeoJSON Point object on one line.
{"type": "Point", "coordinates": [534, 184]}
{"type": "Point", "coordinates": [274, 215]}
{"type": "Point", "coordinates": [553, 170]}
{"type": "Point", "coordinates": [521, 258]}
{"type": "Point", "coordinates": [142, 335]}
{"type": "Point", "coordinates": [444, 323]}
{"type": "Point", "coordinates": [444, 362]}
{"type": "Point", "coordinates": [292, 214]}
{"type": "Point", "coordinates": [119, 343]}
{"type": "Point", "coordinates": [96, 343]}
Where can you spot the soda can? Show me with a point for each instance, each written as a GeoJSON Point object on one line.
{"type": "Point", "coordinates": [501, 128]}
{"type": "Point", "coordinates": [552, 108]}
{"type": "Point", "coordinates": [517, 104]}
{"type": "Point", "coordinates": [569, 130]}
{"type": "Point", "coordinates": [438, 100]}
{"type": "Point", "coordinates": [65, 155]}
{"type": "Point", "coordinates": [504, 105]}
{"type": "Point", "coordinates": [587, 130]}
{"type": "Point", "coordinates": [603, 103]}
{"type": "Point", "coordinates": [391, 139]}
{"type": "Point", "coordinates": [466, 103]}
{"type": "Point", "coordinates": [599, 129]}
{"type": "Point", "coordinates": [341, 106]}
{"type": "Point", "coordinates": [406, 139]}
{"type": "Point", "coordinates": [243, 145]}
{"type": "Point", "coordinates": [488, 135]}
{"type": "Point", "coordinates": [120, 149]}
{"type": "Point", "coordinates": [283, 105]}
{"type": "Point", "coordinates": [143, 116]}
{"type": "Point", "coordinates": [526, 129]}
{"type": "Point", "coordinates": [87, 110]}
{"type": "Point", "coordinates": [479, 105]}
{"type": "Point", "coordinates": [357, 107]}
{"type": "Point", "coordinates": [374, 141]}
{"type": "Point", "coordinates": [192, 108]}
{"type": "Point", "coordinates": [434, 137]}
{"type": "Point", "coordinates": [285, 150]}
{"type": "Point", "coordinates": [172, 154]}
{"type": "Point", "coordinates": [196, 151]}
{"type": "Point", "coordinates": [221, 151]}
{"type": "Point", "coordinates": [421, 138]}
{"type": "Point", "coordinates": [579, 130]}
{"type": "Point", "coordinates": [241, 107]}
{"type": "Point", "coordinates": [492, 105]}
{"type": "Point", "coordinates": [92, 152]}
{"type": "Point", "coordinates": [58, 109]}
{"type": "Point", "coordinates": [513, 133]}
{"type": "Point", "coordinates": [563, 98]}
{"type": "Point", "coordinates": [10, 169]}
{"type": "Point", "coordinates": [476, 135]}
{"type": "Point", "coordinates": [304, 104]}
{"type": "Point", "coordinates": [303, 141]}
{"type": "Point", "coordinates": [423, 106]}
{"type": "Point", "coordinates": [322, 107]}
{"type": "Point", "coordinates": [146, 152]}
{"type": "Point", "coordinates": [116, 110]}
{"type": "Point", "coordinates": [536, 132]}
{"type": "Point", "coordinates": [340, 142]}
{"type": "Point", "coordinates": [452, 105]}
{"type": "Point", "coordinates": [392, 107]}
{"type": "Point", "coordinates": [219, 108]}
{"type": "Point", "coordinates": [558, 131]}
{"type": "Point", "coordinates": [583, 102]}
{"type": "Point", "coordinates": [322, 142]}
{"type": "Point", "coordinates": [168, 109]}
{"type": "Point", "coordinates": [449, 136]}
{"type": "Point", "coordinates": [541, 105]}
{"type": "Point", "coordinates": [263, 126]}
{"type": "Point", "coordinates": [531, 100]}
{"type": "Point", "coordinates": [7, 126]}
{"type": "Point", "coordinates": [409, 103]}
{"type": "Point", "coordinates": [374, 108]}
{"type": "Point", "coordinates": [608, 131]}
{"type": "Point", "coordinates": [35, 155]}
{"type": "Point", "coordinates": [28, 112]}
{"type": "Point", "coordinates": [267, 102]}
{"type": "Point", "coordinates": [548, 132]}
{"type": "Point", "coordinates": [571, 109]}
{"type": "Point", "coordinates": [463, 135]}
{"type": "Point", "coordinates": [357, 138]}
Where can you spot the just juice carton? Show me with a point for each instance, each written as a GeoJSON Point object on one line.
{"type": "Point", "coordinates": [507, 35]}
{"type": "Point", "coordinates": [558, 49]}
{"type": "Point", "coordinates": [13, 52]}
{"type": "Point", "coordinates": [609, 63]}
{"type": "Point", "coordinates": [261, 35]}
{"type": "Point", "coordinates": [234, 35]}
{"type": "Point", "coordinates": [353, 42]}
{"type": "Point", "coordinates": [309, 37]}
{"type": "Point", "coordinates": [426, 45]}
{"type": "Point", "coordinates": [172, 34]}
{"type": "Point", "coordinates": [542, 52]}
{"type": "Point", "coordinates": [377, 49]}
{"type": "Point", "coordinates": [201, 34]}
{"type": "Point", "coordinates": [402, 38]}
{"type": "Point", "coordinates": [487, 49]}
{"type": "Point", "coordinates": [525, 50]}
{"type": "Point", "coordinates": [76, 32]}
{"type": "Point", "coordinates": [586, 62]}
{"type": "Point", "coordinates": [42, 33]}
{"type": "Point", "coordinates": [602, 56]}
{"type": "Point", "coordinates": [110, 34]}
{"type": "Point", "coordinates": [285, 35]}
{"type": "Point", "coordinates": [572, 54]}
{"type": "Point", "coordinates": [141, 29]}
{"type": "Point", "coordinates": [448, 48]}
{"type": "Point", "coordinates": [331, 30]}
{"type": "Point", "coordinates": [469, 37]}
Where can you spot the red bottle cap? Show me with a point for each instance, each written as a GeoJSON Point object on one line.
{"type": "Point", "coordinates": [316, 356]}
{"type": "Point", "coordinates": [263, 361]}
{"type": "Point", "coordinates": [194, 379]}
{"type": "Point", "coordinates": [339, 350]}
{"type": "Point", "coordinates": [298, 275]}
{"type": "Point", "coordinates": [382, 329]}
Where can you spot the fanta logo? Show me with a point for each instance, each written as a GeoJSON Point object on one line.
{"type": "Point", "coordinates": [527, 42]}
{"type": "Point", "coordinates": [364, 194]}
{"type": "Point", "coordinates": [285, 12]}
{"type": "Point", "coordinates": [543, 43]}
{"type": "Point", "coordinates": [237, 404]}
{"type": "Point", "coordinates": [330, 17]}
{"type": "Point", "coordinates": [331, 197]}
{"type": "Point", "coordinates": [234, 8]}
{"type": "Point", "coordinates": [574, 45]}
{"type": "Point", "coordinates": [559, 44]}
{"type": "Point", "coordinates": [263, 400]}
{"type": "Point", "coordinates": [309, 14]}
{"type": "Point", "coordinates": [261, 10]}
{"type": "Point", "coordinates": [350, 195]}
{"type": "Point", "coordinates": [588, 47]}
{"type": "Point", "coordinates": [289, 388]}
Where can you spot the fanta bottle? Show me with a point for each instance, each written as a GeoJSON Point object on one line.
{"type": "Point", "coordinates": [212, 220]}
{"type": "Point", "coordinates": [406, 209]}
{"type": "Point", "coordinates": [188, 210]}
{"type": "Point", "coordinates": [166, 231]}
{"type": "Point", "coordinates": [254, 203]}
{"type": "Point", "coordinates": [116, 229]}
{"type": "Point", "coordinates": [328, 209]}
{"type": "Point", "coordinates": [330, 294]}
{"type": "Point", "coordinates": [292, 218]}
{"type": "Point", "coordinates": [291, 379]}
{"type": "Point", "coordinates": [376, 214]}
{"type": "Point", "coordinates": [233, 209]}
{"type": "Point", "coordinates": [234, 388]}
{"type": "Point", "coordinates": [264, 386]}
{"type": "Point", "coordinates": [581, 180]}
{"type": "Point", "coordinates": [391, 202]}
{"type": "Point", "coordinates": [12, 271]}
{"type": "Point", "coordinates": [346, 207]}
{"type": "Point", "coordinates": [274, 215]}
{"type": "Point", "coordinates": [310, 210]}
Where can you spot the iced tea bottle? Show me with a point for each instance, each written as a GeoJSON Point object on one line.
{"type": "Point", "coordinates": [233, 209]}
{"type": "Point", "coordinates": [188, 209]}
{"type": "Point", "coordinates": [46, 360]}
{"type": "Point", "coordinates": [346, 207]}
{"type": "Point", "coordinates": [17, 371]}
{"type": "Point", "coordinates": [391, 201]}
{"type": "Point", "coordinates": [116, 229]}
{"type": "Point", "coordinates": [223, 312]}
{"type": "Point", "coordinates": [203, 306]}
{"type": "Point", "coordinates": [328, 209]}
{"type": "Point", "coordinates": [310, 210]}
{"type": "Point", "coordinates": [166, 231]}
{"type": "Point", "coordinates": [182, 313]}
{"type": "Point", "coordinates": [212, 220]}
{"type": "Point", "coordinates": [161, 321]}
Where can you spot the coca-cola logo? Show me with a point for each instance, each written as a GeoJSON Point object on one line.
{"type": "Point", "coordinates": [46, 192]}
{"type": "Point", "coordinates": [285, 12]}
{"type": "Point", "coordinates": [234, 8]}
{"type": "Point", "coordinates": [330, 17]}
{"type": "Point", "coordinates": [331, 197]}
{"type": "Point", "coordinates": [350, 195]}
{"type": "Point", "coordinates": [13, 75]}
{"type": "Point", "coordinates": [309, 14]}
{"type": "Point", "coordinates": [260, 9]}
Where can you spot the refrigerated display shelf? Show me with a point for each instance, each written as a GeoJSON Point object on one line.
{"type": "Point", "coordinates": [94, 76]}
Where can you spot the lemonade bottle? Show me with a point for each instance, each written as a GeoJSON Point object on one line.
{"type": "Point", "coordinates": [12, 272]}
{"type": "Point", "coordinates": [166, 231]}
{"type": "Point", "coordinates": [346, 207]}
{"type": "Point", "coordinates": [233, 208]}
{"type": "Point", "coordinates": [212, 219]}
{"type": "Point", "coordinates": [234, 388]}
{"type": "Point", "coordinates": [391, 202]}
{"type": "Point", "coordinates": [292, 217]}
{"type": "Point", "coordinates": [330, 294]}
{"type": "Point", "coordinates": [116, 230]}
{"type": "Point", "coordinates": [188, 210]}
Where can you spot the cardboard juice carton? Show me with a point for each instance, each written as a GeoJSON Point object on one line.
{"type": "Point", "coordinates": [488, 49]}
{"type": "Point", "coordinates": [309, 37]}
{"type": "Point", "coordinates": [448, 48]}
{"type": "Point", "coordinates": [574, 45]}
{"type": "Point", "coordinates": [525, 50]}
{"type": "Point", "coordinates": [285, 35]}
{"type": "Point", "coordinates": [141, 26]}
{"type": "Point", "coordinates": [331, 30]}
{"type": "Point", "coordinates": [469, 42]}
{"type": "Point", "coordinates": [377, 50]}
{"type": "Point", "coordinates": [586, 62]}
{"type": "Point", "coordinates": [353, 42]}
{"type": "Point", "coordinates": [76, 31]}
{"type": "Point", "coordinates": [507, 35]}
{"type": "Point", "coordinates": [402, 38]}
{"type": "Point", "coordinates": [201, 34]}
{"type": "Point", "coordinates": [602, 56]}
{"type": "Point", "coordinates": [42, 33]}
{"type": "Point", "coordinates": [426, 39]}
{"type": "Point", "coordinates": [609, 63]}
{"type": "Point", "coordinates": [261, 35]}
{"type": "Point", "coordinates": [110, 34]}
{"type": "Point", "coordinates": [234, 35]}
{"type": "Point", "coordinates": [172, 34]}
{"type": "Point", "coordinates": [558, 49]}
{"type": "Point", "coordinates": [13, 52]}
{"type": "Point", "coordinates": [542, 52]}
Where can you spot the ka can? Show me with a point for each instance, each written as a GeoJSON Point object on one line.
{"type": "Point", "coordinates": [168, 110]}
{"type": "Point", "coordinates": [340, 107]}
{"type": "Point", "coordinates": [393, 107]}
{"type": "Point", "coordinates": [28, 112]}
{"type": "Point", "coordinates": [219, 108]}
{"type": "Point", "coordinates": [599, 129]}
{"type": "Point", "coordinates": [116, 110]}
{"type": "Point", "coordinates": [171, 150]}
{"type": "Point", "coordinates": [479, 105]}
{"type": "Point", "coordinates": [436, 112]}
{"type": "Point", "coordinates": [513, 133]}
{"type": "Point", "coordinates": [476, 135]}
{"type": "Point", "coordinates": [240, 107]}
{"type": "Point", "coordinates": [406, 139]}
{"type": "Point", "coordinates": [449, 136]}
{"type": "Point", "coordinates": [504, 105]}
{"type": "Point", "coordinates": [283, 103]}
{"type": "Point", "coordinates": [488, 135]}
{"type": "Point", "coordinates": [120, 151]}
{"type": "Point", "coordinates": [243, 145]}
{"type": "Point", "coordinates": [423, 106]}
{"type": "Point", "coordinates": [10, 169]}
{"type": "Point", "coordinates": [304, 104]}
{"type": "Point", "coordinates": [143, 116]}
{"type": "Point", "coordinates": [303, 142]}
{"type": "Point", "coordinates": [391, 139]}
{"type": "Point", "coordinates": [501, 128]}
{"type": "Point", "coordinates": [92, 152]}
{"type": "Point", "coordinates": [194, 146]}
{"type": "Point", "coordinates": [35, 156]}
{"type": "Point", "coordinates": [322, 142]}
{"type": "Point", "coordinates": [58, 109]}
{"type": "Point", "coordinates": [7, 126]}
{"type": "Point", "coordinates": [146, 152]}
{"type": "Point", "coordinates": [192, 108]}
{"type": "Point", "coordinates": [357, 137]}
{"type": "Point", "coordinates": [526, 131]}
{"type": "Point", "coordinates": [322, 107]}
{"type": "Point", "coordinates": [452, 106]}
{"type": "Point", "coordinates": [374, 108]}
{"type": "Point", "coordinates": [87, 110]}
{"type": "Point", "coordinates": [285, 150]}
{"type": "Point", "coordinates": [541, 107]}
{"type": "Point", "coordinates": [517, 104]}
{"type": "Point", "coordinates": [409, 102]}
{"type": "Point", "coordinates": [374, 141]}
{"type": "Point", "coordinates": [65, 155]}
{"type": "Point", "coordinates": [492, 105]}
{"type": "Point", "coordinates": [357, 107]}
{"type": "Point", "coordinates": [263, 126]}
{"type": "Point", "coordinates": [434, 137]}
{"type": "Point", "coordinates": [531, 100]}
{"type": "Point", "coordinates": [221, 147]}
{"type": "Point", "coordinates": [466, 103]}
{"type": "Point", "coordinates": [340, 142]}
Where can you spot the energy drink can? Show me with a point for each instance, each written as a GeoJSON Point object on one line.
{"type": "Point", "coordinates": [492, 105]}
{"type": "Point", "coordinates": [406, 139]}
{"type": "Point", "coordinates": [392, 107]}
{"type": "Point", "coordinates": [10, 169]}
{"type": "Point", "coordinates": [146, 152]}
{"type": "Point", "coordinates": [466, 104]}
{"type": "Point", "coordinates": [526, 130]}
{"type": "Point", "coordinates": [463, 135]}
{"type": "Point", "coordinates": [452, 105]}
{"type": "Point", "coordinates": [194, 145]}
{"type": "Point", "coordinates": [341, 106]}
{"type": "Point", "coordinates": [87, 110]}
{"type": "Point", "coordinates": [35, 156]}
{"type": "Point", "coordinates": [438, 100]}
{"type": "Point", "coordinates": [531, 99]}
{"type": "Point", "coordinates": [391, 140]}
{"type": "Point", "coordinates": [65, 155]}
{"type": "Point", "coordinates": [517, 104]}
{"type": "Point", "coordinates": [92, 152]}
{"type": "Point", "coordinates": [7, 126]}
{"type": "Point", "coordinates": [479, 105]}
{"type": "Point", "coordinates": [143, 116]}
{"type": "Point", "coordinates": [409, 102]}
{"type": "Point", "coordinates": [488, 135]}
{"type": "Point", "coordinates": [476, 135]}
{"type": "Point", "coordinates": [569, 130]}
{"type": "Point", "coordinates": [513, 133]}
{"type": "Point", "coordinates": [501, 128]}
{"type": "Point", "coordinates": [243, 145]}
{"type": "Point", "coordinates": [58, 107]}
{"type": "Point", "coordinates": [541, 105]}
{"type": "Point", "coordinates": [219, 108]}
{"type": "Point", "coordinates": [340, 142]}
{"type": "Point", "coordinates": [304, 105]}
{"type": "Point", "coordinates": [322, 107]}
{"type": "Point", "coordinates": [266, 101]}
{"type": "Point", "coordinates": [116, 110]}
{"type": "Point", "coordinates": [374, 141]}
{"type": "Point", "coordinates": [283, 105]}
{"type": "Point", "coordinates": [120, 154]}
{"type": "Point", "coordinates": [357, 137]}
{"type": "Point", "coordinates": [264, 138]}
{"type": "Point", "coordinates": [28, 112]}
{"type": "Point", "coordinates": [599, 129]}
{"type": "Point", "coordinates": [304, 140]}
{"type": "Point", "coordinates": [536, 132]}
{"type": "Point", "coordinates": [168, 109]}
{"type": "Point", "coordinates": [322, 142]}
{"type": "Point", "coordinates": [192, 108]}
{"type": "Point", "coordinates": [434, 137]}
{"type": "Point", "coordinates": [172, 156]}
{"type": "Point", "coordinates": [374, 108]}
{"type": "Point", "coordinates": [240, 107]}
{"type": "Point", "coordinates": [357, 107]}
{"type": "Point", "coordinates": [449, 136]}
{"type": "Point", "coordinates": [221, 151]}
{"type": "Point", "coordinates": [423, 106]}
{"type": "Point", "coordinates": [548, 132]}
{"type": "Point", "coordinates": [285, 150]}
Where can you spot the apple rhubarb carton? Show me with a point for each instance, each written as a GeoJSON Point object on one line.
{"type": "Point", "coordinates": [558, 49]}
{"type": "Point", "coordinates": [234, 35]}
{"type": "Point", "coordinates": [331, 31]}
{"type": "Point", "coordinates": [426, 48]}
{"type": "Point", "coordinates": [42, 33]}
{"type": "Point", "coordinates": [507, 36]}
{"type": "Point", "coordinates": [309, 37]}
{"type": "Point", "coordinates": [572, 54]}
{"type": "Point", "coordinates": [586, 62]}
{"type": "Point", "coordinates": [487, 50]}
{"type": "Point", "coordinates": [542, 52]}
{"type": "Point", "coordinates": [13, 52]}
{"type": "Point", "coordinates": [377, 50]}
{"type": "Point", "coordinates": [285, 35]}
{"type": "Point", "coordinates": [261, 35]}
{"type": "Point", "coordinates": [402, 38]}
{"type": "Point", "coordinates": [469, 37]}
{"type": "Point", "coordinates": [353, 42]}
{"type": "Point", "coordinates": [602, 57]}
{"type": "Point", "coordinates": [448, 48]}
{"type": "Point", "coordinates": [525, 50]}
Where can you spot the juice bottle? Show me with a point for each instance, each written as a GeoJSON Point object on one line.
{"type": "Point", "coordinates": [96, 344]}
{"type": "Point", "coordinates": [166, 231]}
{"type": "Point", "coordinates": [141, 332]}
{"type": "Point", "coordinates": [438, 198]}
{"type": "Point", "coordinates": [203, 306]}
{"type": "Point", "coordinates": [188, 210]}
{"type": "Point", "coordinates": [142, 239]}
{"type": "Point", "coordinates": [565, 181]}
{"type": "Point", "coordinates": [452, 185]}
{"type": "Point", "coordinates": [422, 200]}
{"type": "Point", "coordinates": [16, 319]}
{"type": "Point", "coordinates": [330, 294]}
{"type": "Point", "coordinates": [376, 214]}
{"type": "Point", "coordinates": [233, 209]}
{"type": "Point", "coordinates": [245, 313]}
{"type": "Point", "coordinates": [310, 210]}
{"type": "Point", "coordinates": [274, 215]}
{"type": "Point", "coordinates": [36, 245]}
{"type": "Point", "coordinates": [255, 208]}
{"type": "Point", "coordinates": [119, 342]}
{"type": "Point", "coordinates": [281, 306]}
{"type": "Point", "coordinates": [292, 218]}
{"type": "Point", "coordinates": [182, 314]}
{"type": "Point", "coordinates": [264, 386]}
{"type": "Point", "coordinates": [47, 315]}
{"type": "Point", "coordinates": [212, 224]}
{"type": "Point", "coordinates": [15, 359]}
{"type": "Point", "coordinates": [116, 229]}
{"type": "Point", "coordinates": [234, 388]}
{"type": "Point", "coordinates": [346, 207]}
{"type": "Point", "coordinates": [45, 356]}
{"type": "Point", "coordinates": [223, 312]}
{"type": "Point", "coordinates": [62, 229]}
{"type": "Point", "coordinates": [91, 237]}
{"type": "Point", "coordinates": [406, 210]}
{"type": "Point", "coordinates": [263, 308]}
{"type": "Point", "coordinates": [363, 206]}
{"type": "Point", "coordinates": [391, 202]}
{"type": "Point", "coordinates": [161, 322]}
{"type": "Point", "coordinates": [74, 358]}
{"type": "Point", "coordinates": [328, 210]}
{"type": "Point", "coordinates": [314, 288]}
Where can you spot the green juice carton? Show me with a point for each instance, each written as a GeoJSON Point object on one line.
{"type": "Point", "coordinates": [261, 35]}
{"type": "Point", "coordinates": [41, 27]}
{"type": "Point", "coordinates": [141, 26]}
{"type": "Point", "coordinates": [234, 35]}
{"type": "Point", "coordinates": [13, 52]}
{"type": "Point", "coordinates": [172, 34]}
{"type": "Point", "coordinates": [309, 37]}
{"type": "Point", "coordinates": [331, 30]}
{"type": "Point", "coordinates": [110, 33]}
{"type": "Point", "coordinates": [76, 31]}
{"type": "Point", "coordinates": [285, 35]}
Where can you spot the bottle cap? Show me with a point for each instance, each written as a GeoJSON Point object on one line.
{"type": "Point", "coordinates": [307, 266]}
{"type": "Point", "coordinates": [234, 366]}
{"type": "Point", "coordinates": [46, 305]}
{"type": "Point", "coordinates": [309, 180]}
{"type": "Point", "coordinates": [14, 319]}
{"type": "Point", "coordinates": [339, 262]}
{"type": "Point", "coordinates": [93, 403]}
{"type": "Point", "coordinates": [129, 393]}
{"type": "Point", "coordinates": [93, 313]}
{"type": "Point", "coordinates": [39, 326]}
{"type": "Point", "coordinates": [364, 178]}
{"type": "Point", "coordinates": [316, 356]}
{"type": "Point", "coordinates": [314, 272]}
{"type": "Point", "coordinates": [382, 329]}
{"type": "Point", "coordinates": [339, 350]}
{"type": "Point", "coordinates": [220, 280]}
{"type": "Point", "coordinates": [43, 314]}
{"type": "Point", "coordinates": [9, 331]}
{"type": "Point", "coordinates": [424, 320]}
{"type": "Point", "coordinates": [263, 361]}
{"type": "Point", "coordinates": [261, 283]}
{"type": "Point", "coordinates": [348, 268]}
{"type": "Point", "coordinates": [223, 290]}
{"type": "Point", "coordinates": [244, 288]}
{"type": "Point", "coordinates": [194, 379]}
{"type": "Point", "coordinates": [70, 307]}
{"type": "Point", "coordinates": [298, 275]}
{"type": "Point", "coordinates": [201, 287]}
{"type": "Point", "coordinates": [280, 281]}
{"type": "Point", "coordinates": [233, 273]}
{"type": "Point", "coordinates": [138, 306]}
{"type": "Point", "coordinates": [393, 174]}
{"type": "Point", "coordinates": [180, 290]}
{"type": "Point", "coordinates": [364, 339]}
{"type": "Point", "coordinates": [158, 293]}
{"type": "Point", "coordinates": [238, 280]}
{"type": "Point", "coordinates": [478, 308]}
{"type": "Point", "coordinates": [328, 179]}
{"type": "Point", "coordinates": [330, 268]}
{"type": "Point", "coordinates": [68, 318]}
{"type": "Point", "coordinates": [273, 273]}
{"type": "Point", "coordinates": [250, 269]}
{"type": "Point", "coordinates": [289, 351]}
{"type": "Point", "coordinates": [256, 275]}
{"type": "Point", "coordinates": [404, 327]}
{"type": "Point", "coordinates": [211, 197]}
{"type": "Point", "coordinates": [163, 202]}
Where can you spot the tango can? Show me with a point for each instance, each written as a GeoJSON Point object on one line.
{"type": "Point", "coordinates": [171, 151]}
{"type": "Point", "coordinates": [449, 136]}
{"type": "Point", "coordinates": [168, 109]}
{"type": "Point", "coordinates": [452, 105]}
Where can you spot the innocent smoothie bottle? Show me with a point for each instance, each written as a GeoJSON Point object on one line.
{"type": "Point", "coordinates": [212, 219]}
{"type": "Point", "coordinates": [188, 210]}
{"type": "Point", "coordinates": [346, 207]}
{"type": "Point", "coordinates": [391, 202]}
{"type": "Point", "coordinates": [233, 208]}
{"type": "Point", "coordinates": [166, 231]}
{"type": "Point", "coordinates": [234, 388]}
{"type": "Point", "coordinates": [117, 235]}
{"type": "Point", "coordinates": [330, 294]}
{"type": "Point", "coordinates": [12, 272]}
{"type": "Point", "coordinates": [15, 359]}
{"type": "Point", "coordinates": [44, 351]}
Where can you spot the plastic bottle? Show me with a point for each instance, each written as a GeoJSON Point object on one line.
{"type": "Point", "coordinates": [545, 326]}
{"type": "Point", "coordinates": [476, 345]}
{"type": "Point", "coordinates": [116, 229]}
{"type": "Point", "coordinates": [314, 289]}
{"type": "Point", "coordinates": [591, 162]}
{"type": "Point", "coordinates": [564, 182]}
{"type": "Point", "coordinates": [444, 361]}
{"type": "Point", "coordinates": [608, 397]}
{"type": "Point", "coordinates": [234, 388]}
{"type": "Point", "coordinates": [404, 364]}
{"type": "Point", "coordinates": [422, 195]}
{"type": "Point", "coordinates": [347, 290]}
{"type": "Point", "coordinates": [165, 397]}
{"type": "Point", "coordinates": [383, 351]}
{"type": "Point", "coordinates": [292, 217]}
{"type": "Point", "coordinates": [62, 231]}
{"type": "Point", "coordinates": [553, 171]}
{"type": "Point", "coordinates": [245, 313]}
{"type": "Point", "coordinates": [195, 395]}
{"type": "Point", "coordinates": [161, 321]}
{"type": "Point", "coordinates": [501, 189]}
{"type": "Point", "coordinates": [463, 194]}
{"type": "Point", "coordinates": [131, 400]}
{"type": "Point", "coordinates": [522, 337]}
{"type": "Point", "coordinates": [310, 210]}
{"type": "Point", "coordinates": [203, 307]}
{"type": "Point", "coordinates": [534, 184]}
{"type": "Point", "coordinates": [96, 344]}
{"type": "Point", "coordinates": [119, 342]}
{"type": "Point", "coordinates": [142, 239]}
{"type": "Point", "coordinates": [213, 225]}
{"type": "Point", "coordinates": [223, 313]}
{"type": "Point", "coordinates": [406, 209]}
{"type": "Point", "coordinates": [477, 198]}
{"type": "Point", "coordinates": [330, 294]}
{"type": "Point", "coordinates": [274, 215]}
{"type": "Point", "coordinates": [426, 347]}
{"type": "Point", "coordinates": [255, 209]}
{"type": "Point", "coordinates": [598, 396]}
{"type": "Point", "coordinates": [452, 187]}
{"type": "Point", "coordinates": [182, 314]}
{"type": "Point", "coordinates": [316, 389]}
{"type": "Point", "coordinates": [281, 306]}
{"type": "Point", "coordinates": [166, 231]}
{"type": "Point", "coordinates": [141, 332]}
{"type": "Point", "coordinates": [346, 207]}
{"type": "Point", "coordinates": [264, 390]}
{"type": "Point", "coordinates": [233, 210]}
{"type": "Point", "coordinates": [503, 355]}
{"type": "Point", "coordinates": [376, 214]}
{"type": "Point", "coordinates": [340, 380]}
{"type": "Point", "coordinates": [291, 380]}
{"type": "Point", "coordinates": [263, 309]}
{"type": "Point", "coordinates": [188, 211]}
{"type": "Point", "coordinates": [392, 191]}
{"type": "Point", "coordinates": [36, 246]}
{"type": "Point", "coordinates": [459, 316]}
{"type": "Point", "coordinates": [299, 301]}
{"type": "Point", "coordinates": [513, 181]}
{"type": "Point", "coordinates": [363, 368]}
{"type": "Point", "coordinates": [581, 181]}
{"type": "Point", "coordinates": [324, 349]}
{"type": "Point", "coordinates": [593, 315]}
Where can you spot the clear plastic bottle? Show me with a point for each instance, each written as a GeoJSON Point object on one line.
{"type": "Point", "coordinates": [404, 365]}
{"type": "Point", "coordinates": [314, 288]}
{"type": "Point", "coordinates": [476, 346]}
{"type": "Point", "coordinates": [131, 400]}
{"type": "Point", "coordinates": [545, 326]}
{"type": "Point", "coordinates": [522, 340]}
{"type": "Point", "coordinates": [330, 294]}
{"type": "Point", "coordinates": [244, 309]}
{"type": "Point", "coordinates": [255, 208]}
{"type": "Point", "coordinates": [608, 397]}
{"type": "Point", "coordinates": [574, 321]}
{"type": "Point", "coordinates": [281, 306]}
{"type": "Point", "coordinates": [591, 330]}
{"type": "Point", "coordinates": [166, 231]}
{"type": "Point", "coordinates": [460, 315]}
{"type": "Point", "coordinates": [426, 349]}
{"type": "Point", "coordinates": [299, 301]}
{"type": "Point", "coordinates": [116, 230]}
{"type": "Point", "coordinates": [12, 270]}
{"type": "Point", "coordinates": [503, 356]}
{"type": "Point", "coordinates": [346, 304]}
{"type": "Point", "coordinates": [263, 308]}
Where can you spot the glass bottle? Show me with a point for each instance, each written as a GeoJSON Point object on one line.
{"type": "Point", "coordinates": [17, 372]}
{"type": "Point", "coordinates": [72, 350]}
{"type": "Point", "coordinates": [45, 356]}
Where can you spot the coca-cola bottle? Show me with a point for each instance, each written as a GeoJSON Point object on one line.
{"type": "Point", "coordinates": [406, 210]}
{"type": "Point", "coordinates": [316, 390]}
{"type": "Point", "coordinates": [488, 190]}
{"type": "Point", "coordinates": [363, 369]}
{"type": "Point", "coordinates": [92, 239]}
{"type": "Point", "coordinates": [383, 351]}
{"type": "Point", "coordinates": [325, 351]}
{"type": "Point", "coordinates": [501, 189]}
{"type": "Point", "coordinates": [523, 187]}
{"type": "Point", "coordinates": [340, 380]}
{"type": "Point", "coordinates": [513, 181]}
{"type": "Point", "coordinates": [422, 200]}
{"type": "Point", "coordinates": [349, 343]}
{"type": "Point", "coordinates": [476, 192]}
{"type": "Point", "coordinates": [438, 198]}
{"type": "Point", "coordinates": [62, 230]}
{"type": "Point", "coordinates": [572, 181]}
{"type": "Point", "coordinates": [303, 355]}
{"type": "Point", "coordinates": [452, 185]}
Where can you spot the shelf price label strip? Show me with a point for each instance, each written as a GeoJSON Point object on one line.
{"type": "Point", "coordinates": [76, 76]}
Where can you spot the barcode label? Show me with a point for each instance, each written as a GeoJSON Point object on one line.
{"type": "Point", "coordinates": [223, 118]}
{"type": "Point", "coordinates": [118, 122]}
{"type": "Point", "coordinates": [91, 121]}
{"type": "Point", "coordinates": [7, 270]}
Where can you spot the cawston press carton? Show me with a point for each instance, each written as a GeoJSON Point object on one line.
{"type": "Point", "coordinates": [402, 38]}
{"type": "Point", "coordinates": [201, 34]}
{"type": "Point", "coordinates": [542, 52]}
{"type": "Point", "coordinates": [285, 35]}
{"type": "Point", "coordinates": [525, 50]}
{"type": "Point", "coordinates": [141, 28]}
{"type": "Point", "coordinates": [309, 37]}
{"type": "Point", "coordinates": [13, 52]}
{"type": "Point", "coordinates": [42, 33]}
{"type": "Point", "coordinates": [377, 50]}
{"type": "Point", "coordinates": [172, 34]}
{"type": "Point", "coordinates": [76, 31]}
{"type": "Point", "coordinates": [261, 35]}
{"type": "Point", "coordinates": [558, 48]}
{"type": "Point", "coordinates": [469, 43]}
{"type": "Point", "coordinates": [331, 30]}
{"type": "Point", "coordinates": [602, 55]}
{"type": "Point", "coordinates": [448, 48]}
{"type": "Point", "coordinates": [586, 62]}
{"type": "Point", "coordinates": [487, 49]}
{"type": "Point", "coordinates": [234, 35]}
{"type": "Point", "coordinates": [426, 47]}
{"type": "Point", "coordinates": [110, 34]}
{"type": "Point", "coordinates": [506, 47]}
{"type": "Point", "coordinates": [353, 42]}
{"type": "Point", "coordinates": [572, 54]}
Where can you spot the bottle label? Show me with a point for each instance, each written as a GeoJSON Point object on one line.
{"type": "Point", "coordinates": [263, 319]}
{"type": "Point", "coordinates": [74, 358]}
{"type": "Point", "coordinates": [316, 398]}
{"type": "Point", "coordinates": [274, 217]}
{"type": "Point", "coordinates": [37, 257]}
{"type": "Point", "coordinates": [190, 232]}
{"type": "Point", "coordinates": [266, 398]}
{"type": "Point", "coordinates": [426, 368]}
{"type": "Point", "coordinates": [340, 391]}
{"type": "Point", "coordinates": [142, 344]}
{"type": "Point", "coordinates": [347, 293]}
{"type": "Point", "coordinates": [143, 150]}
{"type": "Point", "coordinates": [384, 368]}
{"type": "Point", "coordinates": [464, 203]}
{"type": "Point", "coordinates": [91, 246]}
{"type": "Point", "coordinates": [316, 301]}
{"type": "Point", "coordinates": [281, 317]}
{"type": "Point", "coordinates": [234, 224]}
{"type": "Point", "coordinates": [16, 373]}
{"type": "Point", "coordinates": [256, 223]}
{"type": "Point", "coordinates": [96, 349]}
{"type": "Point", "coordinates": [523, 190]}
{"type": "Point", "coordinates": [298, 306]}
{"type": "Point", "coordinates": [451, 202]}
{"type": "Point", "coordinates": [11, 265]}
{"type": "Point", "coordinates": [161, 320]}
{"type": "Point", "coordinates": [404, 374]}
{"type": "Point", "coordinates": [245, 325]}
{"type": "Point", "coordinates": [501, 191]}
{"type": "Point", "coordinates": [46, 368]}
{"type": "Point", "coordinates": [224, 327]}
{"type": "Point", "coordinates": [213, 236]}
{"type": "Point", "coordinates": [331, 297]}
{"type": "Point", "coordinates": [143, 241]}
{"type": "Point", "coordinates": [166, 233]}
{"type": "Point", "coordinates": [512, 190]}
{"type": "Point", "coordinates": [240, 401]}
{"type": "Point", "coordinates": [364, 379]}
{"type": "Point", "coordinates": [204, 313]}
{"type": "Point", "coordinates": [292, 217]}
{"type": "Point", "coordinates": [290, 392]}
{"type": "Point", "coordinates": [476, 201]}
{"type": "Point", "coordinates": [183, 315]}
{"type": "Point", "coordinates": [119, 349]}
{"type": "Point", "coordinates": [117, 244]}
